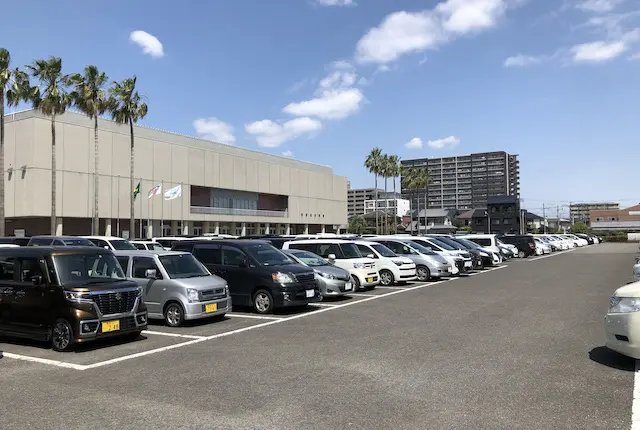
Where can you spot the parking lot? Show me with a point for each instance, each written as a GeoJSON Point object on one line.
{"type": "Point", "coordinates": [518, 346]}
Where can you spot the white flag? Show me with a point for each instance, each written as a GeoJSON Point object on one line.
{"type": "Point", "coordinates": [155, 191]}
{"type": "Point", "coordinates": [173, 193]}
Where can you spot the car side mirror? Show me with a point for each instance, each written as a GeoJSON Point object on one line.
{"type": "Point", "coordinates": [151, 274]}
{"type": "Point", "coordinates": [106, 247]}
{"type": "Point", "coordinates": [331, 257]}
{"type": "Point", "coordinates": [244, 264]}
{"type": "Point", "coordinates": [37, 280]}
{"type": "Point", "coordinates": [371, 256]}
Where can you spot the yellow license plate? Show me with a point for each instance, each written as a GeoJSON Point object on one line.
{"type": "Point", "coordinates": [370, 279]}
{"type": "Point", "coordinates": [211, 308]}
{"type": "Point", "coordinates": [108, 326]}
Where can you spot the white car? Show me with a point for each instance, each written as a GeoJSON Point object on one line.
{"type": "Point", "coordinates": [111, 242]}
{"type": "Point", "coordinates": [541, 246]}
{"type": "Point", "coordinates": [511, 247]}
{"type": "Point", "coordinates": [636, 270]}
{"type": "Point", "coordinates": [563, 242]}
{"type": "Point", "coordinates": [622, 322]}
{"type": "Point", "coordinates": [147, 245]}
{"type": "Point", "coordinates": [578, 240]}
{"type": "Point", "coordinates": [392, 267]}
{"type": "Point", "coordinates": [344, 254]}
{"type": "Point", "coordinates": [453, 260]}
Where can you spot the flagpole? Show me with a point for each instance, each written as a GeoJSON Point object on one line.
{"type": "Point", "coordinates": [182, 208]}
{"type": "Point", "coordinates": [162, 208]}
{"type": "Point", "coordinates": [148, 217]}
{"type": "Point", "coordinates": [118, 221]}
{"type": "Point", "coordinates": [139, 183]}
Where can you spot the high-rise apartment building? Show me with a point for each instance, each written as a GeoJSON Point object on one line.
{"type": "Point", "coordinates": [579, 212]}
{"type": "Point", "coordinates": [465, 181]}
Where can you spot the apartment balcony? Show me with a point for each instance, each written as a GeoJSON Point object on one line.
{"type": "Point", "coordinates": [239, 212]}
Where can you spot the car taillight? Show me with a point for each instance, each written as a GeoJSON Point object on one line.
{"type": "Point", "coordinates": [532, 246]}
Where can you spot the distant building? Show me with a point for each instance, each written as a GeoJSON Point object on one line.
{"type": "Point", "coordinates": [504, 214]}
{"type": "Point", "coordinates": [474, 218]}
{"type": "Point", "coordinates": [580, 212]}
{"type": "Point", "coordinates": [356, 198]}
{"type": "Point", "coordinates": [622, 219]}
{"type": "Point", "coordinates": [398, 206]}
{"type": "Point", "coordinates": [434, 221]}
{"type": "Point", "coordinates": [467, 181]}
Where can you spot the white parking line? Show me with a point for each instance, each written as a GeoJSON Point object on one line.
{"type": "Point", "coordinates": [323, 304]}
{"type": "Point", "coordinates": [363, 295]}
{"type": "Point", "coordinates": [635, 404]}
{"type": "Point", "coordinates": [257, 317]}
{"type": "Point", "coordinates": [161, 333]}
{"type": "Point", "coordinates": [44, 361]}
{"type": "Point", "coordinates": [391, 288]}
{"type": "Point", "coordinates": [555, 254]}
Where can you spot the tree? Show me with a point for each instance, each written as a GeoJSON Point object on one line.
{"type": "Point", "coordinates": [409, 181]}
{"type": "Point", "coordinates": [14, 86]}
{"type": "Point", "coordinates": [422, 181]}
{"type": "Point", "coordinates": [52, 99]}
{"type": "Point", "coordinates": [89, 97]}
{"type": "Point", "coordinates": [579, 227]}
{"type": "Point", "coordinates": [385, 172]}
{"type": "Point", "coordinates": [394, 171]}
{"type": "Point", "coordinates": [373, 163]}
{"type": "Point", "coordinates": [357, 225]}
{"type": "Point", "coordinates": [126, 107]}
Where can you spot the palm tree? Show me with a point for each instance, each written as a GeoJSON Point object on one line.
{"type": "Point", "coordinates": [385, 172]}
{"type": "Point", "coordinates": [126, 107]}
{"type": "Point", "coordinates": [373, 163]}
{"type": "Point", "coordinates": [52, 99]}
{"type": "Point", "coordinates": [14, 85]}
{"type": "Point", "coordinates": [89, 97]}
{"type": "Point", "coordinates": [423, 179]}
{"type": "Point", "coordinates": [394, 171]}
{"type": "Point", "coordinates": [409, 181]}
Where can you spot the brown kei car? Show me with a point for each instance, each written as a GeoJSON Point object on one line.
{"type": "Point", "coordinates": [67, 295]}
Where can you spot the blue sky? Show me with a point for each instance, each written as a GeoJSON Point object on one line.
{"type": "Point", "coordinates": [555, 81]}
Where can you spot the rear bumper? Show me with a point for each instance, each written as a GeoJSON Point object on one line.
{"type": "Point", "coordinates": [622, 333]}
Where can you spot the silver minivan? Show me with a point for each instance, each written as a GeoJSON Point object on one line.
{"type": "Point", "coordinates": [429, 264]}
{"type": "Point", "coordinates": [177, 287]}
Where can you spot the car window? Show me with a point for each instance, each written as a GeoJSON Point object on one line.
{"type": "Point", "coordinates": [183, 266]}
{"type": "Point", "coordinates": [30, 268]}
{"type": "Point", "coordinates": [87, 268]}
{"type": "Point", "coordinates": [99, 242]}
{"type": "Point", "coordinates": [122, 245]}
{"type": "Point", "coordinates": [156, 246]}
{"type": "Point", "coordinates": [76, 241]}
{"type": "Point", "coordinates": [268, 255]}
{"type": "Point", "coordinates": [208, 254]}
{"type": "Point", "coordinates": [124, 262]}
{"type": "Point", "coordinates": [326, 249]}
{"type": "Point", "coordinates": [350, 250]}
{"type": "Point", "coordinates": [232, 256]}
{"type": "Point", "coordinates": [40, 241]}
{"type": "Point", "coordinates": [425, 244]}
{"type": "Point", "coordinates": [179, 246]}
{"type": "Point", "coordinates": [141, 265]}
{"type": "Point", "coordinates": [313, 248]}
{"type": "Point", "coordinates": [58, 242]}
{"type": "Point", "coordinates": [7, 267]}
{"type": "Point", "coordinates": [481, 241]}
{"type": "Point", "coordinates": [365, 250]}
{"type": "Point", "coordinates": [383, 250]}
{"type": "Point", "coordinates": [166, 242]}
{"type": "Point", "coordinates": [140, 246]}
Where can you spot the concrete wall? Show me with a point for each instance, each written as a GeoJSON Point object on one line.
{"type": "Point", "coordinates": [316, 195]}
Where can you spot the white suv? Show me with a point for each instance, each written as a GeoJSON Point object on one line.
{"type": "Point", "coordinates": [344, 254]}
{"type": "Point", "coordinates": [392, 267]}
{"type": "Point", "coordinates": [111, 242]}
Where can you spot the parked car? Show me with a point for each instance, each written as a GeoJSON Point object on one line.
{"type": "Point", "coordinates": [392, 268]}
{"type": "Point", "coordinates": [345, 254]}
{"type": "Point", "coordinates": [489, 257]}
{"type": "Point", "coordinates": [555, 246]}
{"type": "Point", "coordinates": [276, 241]}
{"type": "Point", "coordinates": [476, 255]}
{"type": "Point", "coordinates": [332, 280]}
{"type": "Point", "coordinates": [177, 287]}
{"type": "Point", "coordinates": [588, 238]}
{"type": "Point", "coordinates": [59, 241]}
{"type": "Point", "coordinates": [429, 264]}
{"type": "Point", "coordinates": [621, 324]}
{"type": "Point", "coordinates": [112, 243]}
{"type": "Point", "coordinates": [562, 242]}
{"type": "Point", "coordinates": [147, 245]}
{"type": "Point", "coordinates": [513, 250]}
{"type": "Point", "coordinates": [168, 241]}
{"type": "Point", "coordinates": [67, 295]}
{"type": "Point", "coordinates": [636, 270]}
{"type": "Point", "coordinates": [578, 240]}
{"type": "Point", "coordinates": [506, 252]}
{"type": "Point", "coordinates": [524, 242]}
{"type": "Point", "coordinates": [486, 241]}
{"type": "Point", "coordinates": [459, 263]}
{"type": "Point", "coordinates": [13, 240]}
{"type": "Point", "coordinates": [258, 274]}
{"type": "Point", "coordinates": [541, 246]}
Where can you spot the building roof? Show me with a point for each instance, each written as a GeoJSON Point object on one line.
{"type": "Point", "coordinates": [530, 216]}
{"type": "Point", "coordinates": [436, 213]}
{"type": "Point", "coordinates": [466, 214]}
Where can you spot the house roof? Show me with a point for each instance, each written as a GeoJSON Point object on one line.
{"type": "Point", "coordinates": [530, 216]}
{"type": "Point", "coordinates": [466, 214]}
{"type": "Point", "coordinates": [436, 213]}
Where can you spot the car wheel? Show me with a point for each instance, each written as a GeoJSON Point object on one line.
{"type": "Point", "coordinates": [263, 302]}
{"type": "Point", "coordinates": [174, 315]}
{"type": "Point", "coordinates": [62, 338]}
{"type": "Point", "coordinates": [423, 273]}
{"type": "Point", "coordinates": [386, 278]}
{"type": "Point", "coordinates": [521, 254]}
{"type": "Point", "coordinates": [356, 283]}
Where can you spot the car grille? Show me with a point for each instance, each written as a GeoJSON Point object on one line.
{"type": "Point", "coordinates": [217, 293]}
{"type": "Point", "coordinates": [115, 303]}
{"type": "Point", "coordinates": [306, 278]}
{"type": "Point", "coordinates": [368, 265]}
{"type": "Point", "coordinates": [460, 265]}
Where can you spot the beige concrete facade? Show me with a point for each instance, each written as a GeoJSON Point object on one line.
{"type": "Point", "coordinates": [315, 195]}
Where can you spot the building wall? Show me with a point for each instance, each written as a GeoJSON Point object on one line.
{"type": "Point", "coordinates": [356, 198]}
{"type": "Point", "coordinates": [582, 211]}
{"type": "Point", "coordinates": [627, 214]}
{"type": "Point", "coordinates": [315, 194]}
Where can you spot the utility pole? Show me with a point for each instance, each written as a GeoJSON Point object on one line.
{"type": "Point", "coordinates": [544, 219]}
{"type": "Point", "coordinates": [558, 214]}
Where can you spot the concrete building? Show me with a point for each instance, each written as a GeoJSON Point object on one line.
{"type": "Point", "coordinates": [580, 212]}
{"type": "Point", "coordinates": [467, 181]}
{"type": "Point", "coordinates": [621, 219]}
{"type": "Point", "coordinates": [504, 214]}
{"type": "Point", "coordinates": [356, 198]}
{"type": "Point", "coordinates": [225, 189]}
{"type": "Point", "coordinates": [399, 207]}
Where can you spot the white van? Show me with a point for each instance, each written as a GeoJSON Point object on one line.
{"type": "Point", "coordinates": [111, 242]}
{"type": "Point", "coordinates": [392, 267]}
{"type": "Point", "coordinates": [344, 254]}
{"type": "Point", "coordinates": [487, 241]}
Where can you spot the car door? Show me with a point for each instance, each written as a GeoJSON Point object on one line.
{"type": "Point", "coordinates": [8, 287]}
{"type": "Point", "coordinates": [209, 255]}
{"type": "Point", "coordinates": [31, 308]}
{"type": "Point", "coordinates": [237, 274]}
{"type": "Point", "coordinates": [153, 291]}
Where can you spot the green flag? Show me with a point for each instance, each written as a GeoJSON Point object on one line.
{"type": "Point", "coordinates": [136, 191]}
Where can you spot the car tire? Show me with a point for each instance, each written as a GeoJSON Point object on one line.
{"type": "Point", "coordinates": [423, 273]}
{"type": "Point", "coordinates": [62, 337]}
{"type": "Point", "coordinates": [386, 278]}
{"type": "Point", "coordinates": [174, 315]}
{"type": "Point", "coordinates": [356, 282]}
{"type": "Point", "coordinates": [262, 302]}
{"type": "Point", "coordinates": [521, 254]}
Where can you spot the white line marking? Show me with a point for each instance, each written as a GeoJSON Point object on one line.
{"type": "Point", "coordinates": [323, 304]}
{"type": "Point", "coordinates": [257, 317]}
{"type": "Point", "coordinates": [391, 288]}
{"type": "Point", "coordinates": [635, 405]}
{"type": "Point", "coordinates": [363, 295]}
{"type": "Point", "coordinates": [44, 361]}
{"type": "Point", "coordinates": [551, 255]}
{"type": "Point", "coordinates": [161, 333]}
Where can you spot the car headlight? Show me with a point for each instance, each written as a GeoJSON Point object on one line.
{"type": "Point", "coordinates": [282, 278]}
{"type": "Point", "coordinates": [358, 265]}
{"type": "Point", "coordinates": [192, 295]}
{"type": "Point", "coordinates": [77, 297]}
{"type": "Point", "coordinates": [327, 275]}
{"type": "Point", "coordinates": [226, 290]}
{"type": "Point", "coordinates": [619, 305]}
{"type": "Point", "coordinates": [139, 292]}
{"type": "Point", "coordinates": [397, 263]}
{"type": "Point", "coordinates": [483, 254]}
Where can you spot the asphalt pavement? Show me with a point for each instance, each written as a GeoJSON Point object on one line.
{"type": "Point", "coordinates": [518, 347]}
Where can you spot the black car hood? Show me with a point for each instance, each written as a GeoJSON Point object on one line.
{"type": "Point", "coordinates": [105, 286]}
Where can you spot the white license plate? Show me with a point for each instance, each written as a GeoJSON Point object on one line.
{"type": "Point", "coordinates": [449, 269]}
{"type": "Point", "coordinates": [467, 264]}
{"type": "Point", "coordinates": [311, 293]}
{"type": "Point", "coordinates": [347, 286]}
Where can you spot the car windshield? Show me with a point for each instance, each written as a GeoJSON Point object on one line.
{"type": "Point", "coordinates": [421, 249]}
{"type": "Point", "coordinates": [468, 243]}
{"type": "Point", "coordinates": [350, 250]}
{"type": "Point", "coordinates": [155, 246]}
{"type": "Point", "coordinates": [77, 242]}
{"type": "Point", "coordinates": [180, 266]}
{"type": "Point", "coordinates": [122, 245]}
{"type": "Point", "coordinates": [267, 255]}
{"type": "Point", "coordinates": [98, 268]}
{"type": "Point", "coordinates": [452, 243]}
{"type": "Point", "coordinates": [442, 244]}
{"type": "Point", "coordinates": [310, 259]}
{"type": "Point", "coordinates": [383, 250]}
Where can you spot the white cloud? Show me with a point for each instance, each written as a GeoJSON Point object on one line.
{"type": "Point", "coordinates": [338, 80]}
{"type": "Point", "coordinates": [336, 2]}
{"type": "Point", "coordinates": [597, 52]}
{"type": "Point", "coordinates": [635, 57]}
{"type": "Point", "coordinates": [521, 60]}
{"type": "Point", "coordinates": [422, 61]}
{"type": "Point", "coordinates": [214, 129]}
{"type": "Point", "coordinates": [149, 43]}
{"type": "Point", "coordinates": [599, 6]}
{"type": "Point", "coordinates": [447, 142]}
{"type": "Point", "coordinates": [287, 154]}
{"type": "Point", "coordinates": [404, 32]}
{"type": "Point", "coordinates": [271, 134]}
{"type": "Point", "coordinates": [331, 105]}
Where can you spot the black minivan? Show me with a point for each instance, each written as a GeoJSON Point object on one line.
{"type": "Point", "coordinates": [525, 243]}
{"type": "Point", "coordinates": [258, 274]}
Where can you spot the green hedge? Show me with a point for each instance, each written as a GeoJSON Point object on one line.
{"type": "Point", "coordinates": [615, 238]}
